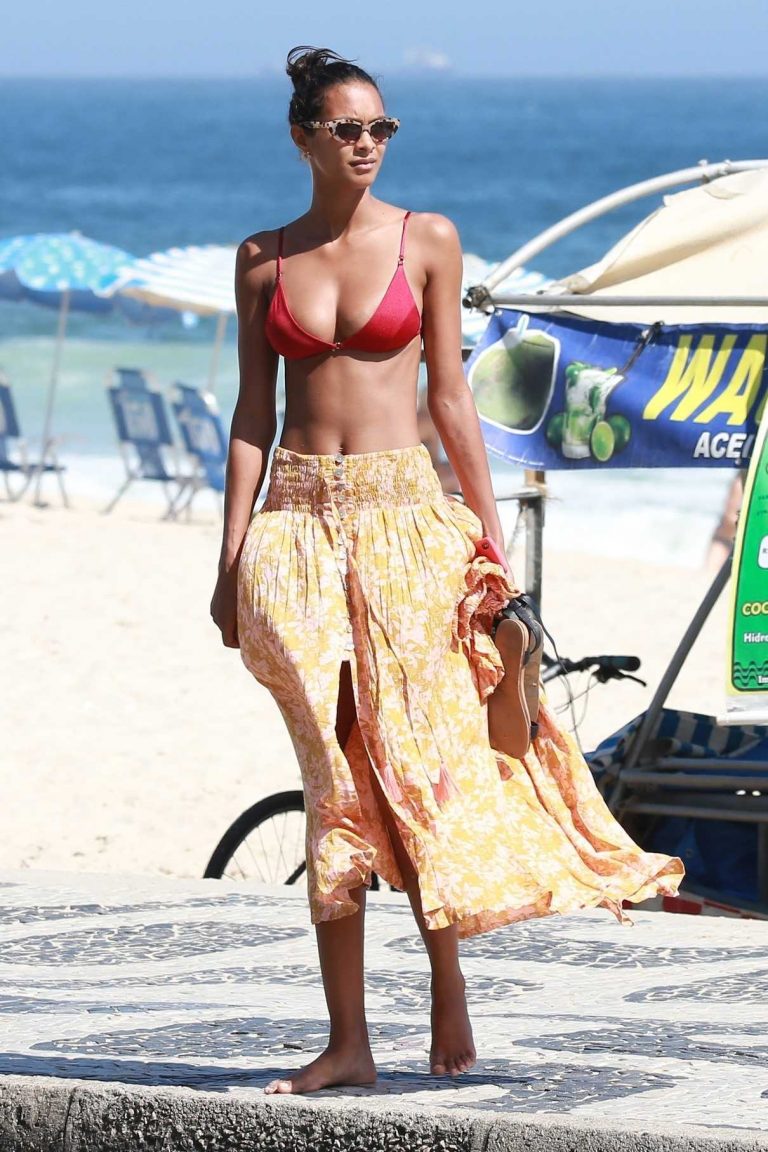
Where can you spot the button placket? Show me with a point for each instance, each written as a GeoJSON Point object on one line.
{"type": "Point", "coordinates": [340, 484]}
{"type": "Point", "coordinates": [338, 491]}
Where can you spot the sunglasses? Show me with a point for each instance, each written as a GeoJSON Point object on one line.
{"type": "Point", "coordinates": [350, 131]}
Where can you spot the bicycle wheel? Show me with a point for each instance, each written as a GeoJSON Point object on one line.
{"type": "Point", "coordinates": [265, 844]}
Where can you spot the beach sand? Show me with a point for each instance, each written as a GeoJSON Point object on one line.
{"type": "Point", "coordinates": [131, 738]}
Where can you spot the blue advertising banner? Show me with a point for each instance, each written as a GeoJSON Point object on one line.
{"type": "Point", "coordinates": [567, 392]}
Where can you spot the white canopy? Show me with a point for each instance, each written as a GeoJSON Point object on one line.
{"type": "Point", "coordinates": [194, 279]}
{"type": "Point", "coordinates": [709, 241]}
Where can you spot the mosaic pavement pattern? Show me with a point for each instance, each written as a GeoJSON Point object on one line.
{"type": "Point", "coordinates": [215, 987]}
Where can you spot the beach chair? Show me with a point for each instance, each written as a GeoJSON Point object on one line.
{"type": "Point", "coordinates": [203, 439]}
{"type": "Point", "coordinates": [19, 464]}
{"type": "Point", "coordinates": [145, 438]}
{"type": "Point", "coordinates": [683, 784]}
{"type": "Point", "coordinates": [698, 790]}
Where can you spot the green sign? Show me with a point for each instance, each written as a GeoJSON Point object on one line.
{"type": "Point", "coordinates": [748, 658]}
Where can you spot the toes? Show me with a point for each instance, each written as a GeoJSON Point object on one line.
{"type": "Point", "coordinates": [445, 1068]}
{"type": "Point", "coordinates": [452, 1067]}
{"type": "Point", "coordinates": [279, 1088]}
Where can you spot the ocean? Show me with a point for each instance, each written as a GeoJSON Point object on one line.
{"type": "Point", "coordinates": [149, 164]}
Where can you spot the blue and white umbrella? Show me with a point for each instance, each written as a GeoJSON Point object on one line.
{"type": "Point", "coordinates": [198, 278]}
{"type": "Point", "coordinates": [64, 271]}
{"type": "Point", "coordinates": [55, 268]}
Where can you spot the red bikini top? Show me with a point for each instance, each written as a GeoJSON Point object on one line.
{"type": "Point", "coordinates": [394, 324]}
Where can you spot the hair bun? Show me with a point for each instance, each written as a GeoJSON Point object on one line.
{"type": "Point", "coordinates": [306, 64]}
{"type": "Point", "coordinates": [313, 71]}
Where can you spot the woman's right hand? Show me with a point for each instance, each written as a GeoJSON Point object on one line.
{"type": "Point", "coordinates": [224, 607]}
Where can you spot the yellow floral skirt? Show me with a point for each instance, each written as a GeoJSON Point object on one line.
{"type": "Point", "coordinates": [363, 559]}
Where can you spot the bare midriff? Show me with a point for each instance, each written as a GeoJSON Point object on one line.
{"type": "Point", "coordinates": [352, 402]}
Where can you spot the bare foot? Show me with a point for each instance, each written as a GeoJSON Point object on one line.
{"type": "Point", "coordinates": [350, 1066]}
{"type": "Point", "coordinates": [453, 1049]}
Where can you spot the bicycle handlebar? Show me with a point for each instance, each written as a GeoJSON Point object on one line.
{"type": "Point", "coordinates": [604, 667]}
{"type": "Point", "coordinates": [620, 663]}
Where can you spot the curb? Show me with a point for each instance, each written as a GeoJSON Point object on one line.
{"type": "Point", "coordinates": [37, 1115]}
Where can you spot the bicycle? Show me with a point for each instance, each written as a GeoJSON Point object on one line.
{"type": "Point", "coordinates": [265, 844]}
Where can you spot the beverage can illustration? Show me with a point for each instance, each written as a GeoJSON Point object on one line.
{"type": "Point", "coordinates": [513, 379]}
{"type": "Point", "coordinates": [586, 432]}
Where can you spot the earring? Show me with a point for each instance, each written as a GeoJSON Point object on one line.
{"type": "Point", "coordinates": [305, 155]}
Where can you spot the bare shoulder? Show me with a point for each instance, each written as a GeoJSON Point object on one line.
{"type": "Point", "coordinates": [434, 230]}
{"type": "Point", "coordinates": [437, 239]}
{"type": "Point", "coordinates": [255, 272]}
{"type": "Point", "coordinates": [257, 252]}
{"type": "Point", "coordinates": [438, 248]}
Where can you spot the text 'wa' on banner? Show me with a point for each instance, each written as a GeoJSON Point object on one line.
{"type": "Point", "coordinates": [572, 393]}
{"type": "Point", "coordinates": [747, 687]}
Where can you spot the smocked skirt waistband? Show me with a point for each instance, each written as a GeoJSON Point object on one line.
{"type": "Point", "coordinates": [395, 478]}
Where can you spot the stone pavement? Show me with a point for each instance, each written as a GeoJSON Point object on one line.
{"type": "Point", "coordinates": [140, 1013]}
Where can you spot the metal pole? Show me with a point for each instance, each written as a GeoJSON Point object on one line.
{"type": "Point", "coordinates": [221, 327]}
{"type": "Point", "coordinates": [45, 439]}
{"type": "Point", "coordinates": [548, 300]}
{"type": "Point", "coordinates": [534, 534]}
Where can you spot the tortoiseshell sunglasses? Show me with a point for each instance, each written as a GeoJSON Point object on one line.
{"type": "Point", "coordinates": [349, 131]}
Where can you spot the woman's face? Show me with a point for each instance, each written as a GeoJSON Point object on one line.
{"type": "Point", "coordinates": [356, 163]}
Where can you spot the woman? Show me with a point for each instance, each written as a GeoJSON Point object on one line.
{"type": "Point", "coordinates": [355, 596]}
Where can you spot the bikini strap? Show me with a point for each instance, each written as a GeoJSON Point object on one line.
{"type": "Point", "coordinates": [280, 254]}
{"type": "Point", "coordinates": [402, 239]}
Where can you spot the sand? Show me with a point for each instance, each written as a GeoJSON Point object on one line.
{"type": "Point", "coordinates": [130, 738]}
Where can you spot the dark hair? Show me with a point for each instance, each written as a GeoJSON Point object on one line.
{"type": "Point", "coordinates": [313, 71]}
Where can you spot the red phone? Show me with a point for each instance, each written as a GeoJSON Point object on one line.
{"type": "Point", "coordinates": [488, 548]}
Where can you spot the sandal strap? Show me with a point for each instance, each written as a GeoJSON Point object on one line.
{"type": "Point", "coordinates": [523, 608]}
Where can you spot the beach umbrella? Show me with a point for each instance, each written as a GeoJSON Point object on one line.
{"type": "Point", "coordinates": [197, 278]}
{"type": "Point", "coordinates": [65, 271]}
{"type": "Point", "coordinates": [699, 257]}
{"type": "Point", "coordinates": [709, 243]}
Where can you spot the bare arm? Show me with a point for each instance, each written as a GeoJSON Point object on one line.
{"type": "Point", "coordinates": [255, 420]}
{"type": "Point", "coordinates": [253, 426]}
{"type": "Point", "coordinates": [448, 396]}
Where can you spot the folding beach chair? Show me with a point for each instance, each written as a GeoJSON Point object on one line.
{"type": "Point", "coordinates": [21, 465]}
{"type": "Point", "coordinates": [145, 438]}
{"type": "Point", "coordinates": [203, 438]}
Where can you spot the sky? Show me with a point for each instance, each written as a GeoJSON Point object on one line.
{"type": "Point", "coordinates": [242, 38]}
